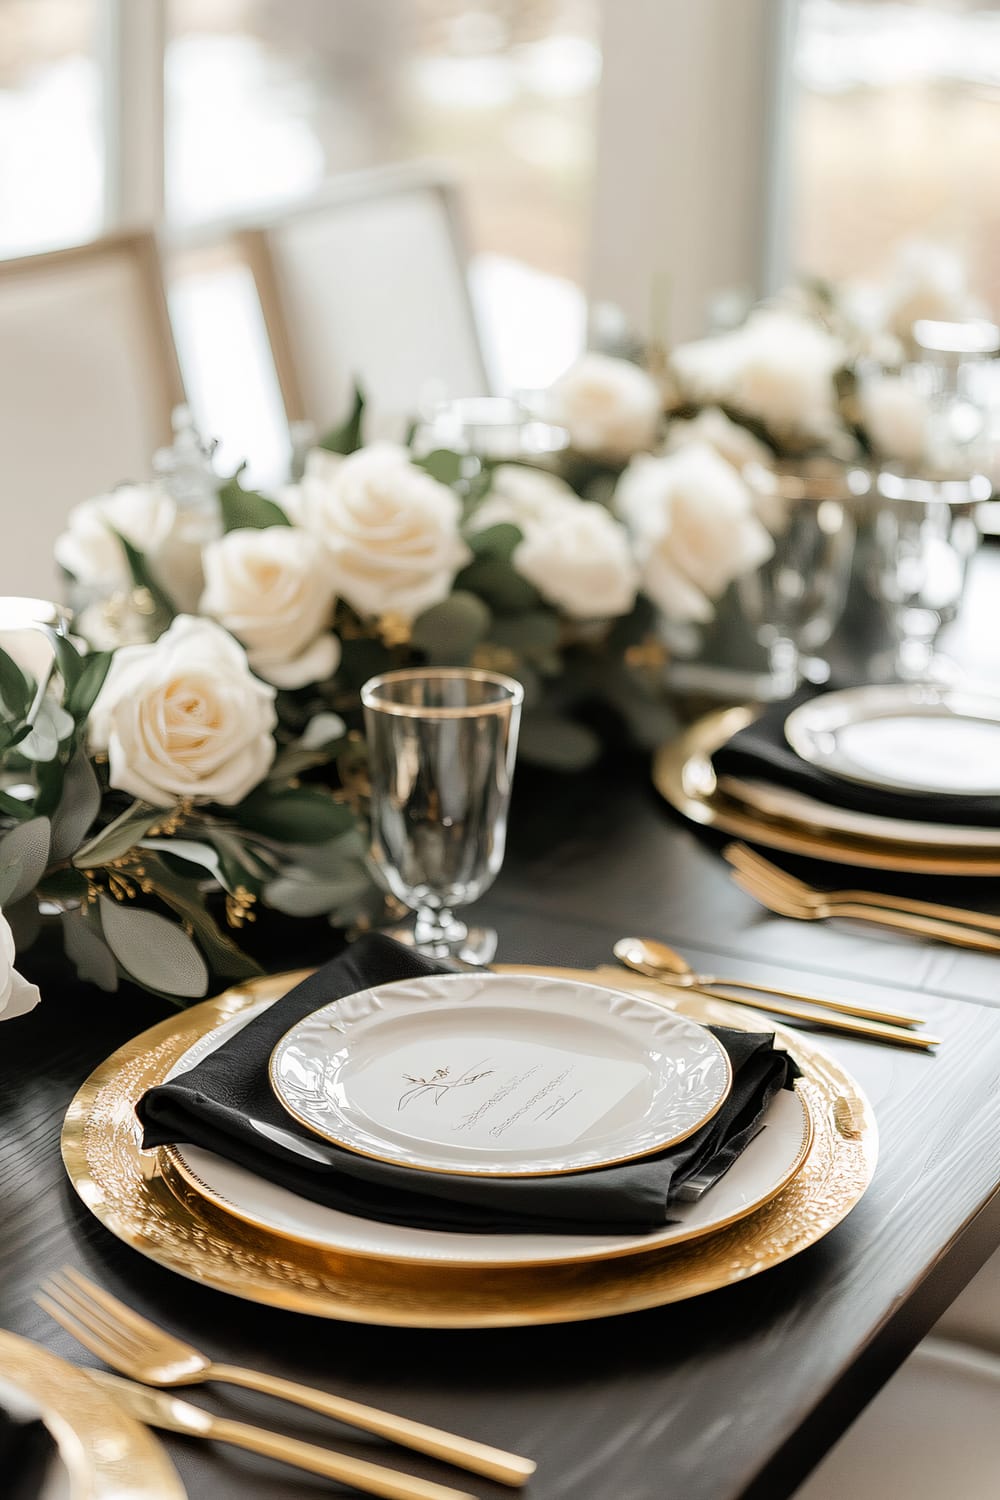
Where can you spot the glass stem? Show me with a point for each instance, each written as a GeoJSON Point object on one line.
{"type": "Point", "coordinates": [438, 931]}
{"type": "Point", "coordinates": [784, 663]}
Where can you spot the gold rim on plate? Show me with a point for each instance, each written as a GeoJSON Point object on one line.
{"type": "Point", "coordinates": [107, 1454]}
{"type": "Point", "coordinates": [173, 1225]}
{"type": "Point", "coordinates": [683, 775]}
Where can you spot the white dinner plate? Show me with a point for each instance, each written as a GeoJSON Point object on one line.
{"type": "Point", "coordinates": [499, 1075]}
{"type": "Point", "coordinates": [767, 1165]}
{"type": "Point", "coordinates": [903, 737]}
{"type": "Point", "coordinates": [786, 802]}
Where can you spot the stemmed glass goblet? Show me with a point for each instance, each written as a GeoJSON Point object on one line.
{"type": "Point", "coordinates": [441, 745]}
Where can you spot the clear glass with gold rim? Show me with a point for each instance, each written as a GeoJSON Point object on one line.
{"type": "Point", "coordinates": [441, 749]}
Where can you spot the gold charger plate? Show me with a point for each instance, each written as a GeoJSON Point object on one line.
{"type": "Point", "coordinates": [107, 1454]}
{"type": "Point", "coordinates": [683, 775]}
{"type": "Point", "coordinates": [174, 1226]}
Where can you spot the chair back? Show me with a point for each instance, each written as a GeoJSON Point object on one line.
{"type": "Point", "coordinates": [88, 380]}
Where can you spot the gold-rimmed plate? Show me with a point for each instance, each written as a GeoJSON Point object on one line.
{"type": "Point", "coordinates": [102, 1453]}
{"type": "Point", "coordinates": [684, 777]}
{"type": "Point", "coordinates": [174, 1225]}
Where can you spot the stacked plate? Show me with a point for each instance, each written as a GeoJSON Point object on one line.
{"type": "Point", "coordinates": [923, 747]}
{"type": "Point", "coordinates": [520, 1074]}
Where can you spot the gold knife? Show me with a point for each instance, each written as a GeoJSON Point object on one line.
{"type": "Point", "coordinates": [161, 1409]}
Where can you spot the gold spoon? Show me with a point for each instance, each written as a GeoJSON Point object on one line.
{"type": "Point", "coordinates": [659, 961]}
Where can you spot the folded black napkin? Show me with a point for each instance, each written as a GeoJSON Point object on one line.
{"type": "Point", "coordinates": [225, 1104]}
{"type": "Point", "coordinates": [26, 1450]}
{"type": "Point", "coordinates": [761, 751]}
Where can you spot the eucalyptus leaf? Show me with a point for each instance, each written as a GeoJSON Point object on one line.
{"type": "Point", "coordinates": [153, 950]}
{"type": "Point", "coordinates": [304, 815]}
{"type": "Point", "coordinates": [50, 727]}
{"type": "Point", "coordinates": [302, 893]}
{"type": "Point", "coordinates": [536, 633]}
{"type": "Point", "coordinates": [78, 806]}
{"type": "Point", "coordinates": [143, 578]}
{"type": "Point", "coordinates": [191, 852]}
{"type": "Point", "coordinates": [247, 509]}
{"type": "Point", "coordinates": [321, 731]}
{"type": "Point", "coordinates": [346, 438]}
{"type": "Point", "coordinates": [184, 897]}
{"type": "Point", "coordinates": [449, 632]}
{"type": "Point", "coordinates": [495, 581]}
{"type": "Point", "coordinates": [495, 541]}
{"type": "Point", "coordinates": [14, 807]}
{"type": "Point", "coordinates": [443, 465]}
{"type": "Point", "coordinates": [16, 690]}
{"type": "Point", "coordinates": [118, 837]}
{"type": "Point", "coordinates": [89, 953]}
{"type": "Point", "coordinates": [83, 694]}
{"type": "Point", "coordinates": [69, 661]}
{"type": "Point", "coordinates": [24, 855]}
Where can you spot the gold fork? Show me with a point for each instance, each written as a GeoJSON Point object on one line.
{"type": "Point", "coordinates": [781, 897]}
{"type": "Point", "coordinates": [743, 858]}
{"type": "Point", "coordinates": [136, 1347]}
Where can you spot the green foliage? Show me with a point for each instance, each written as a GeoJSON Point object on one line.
{"type": "Point", "coordinates": [493, 578]}
{"type": "Point", "coordinates": [449, 632]}
{"type": "Point", "coordinates": [295, 815]}
{"type": "Point", "coordinates": [247, 509]}
{"type": "Point", "coordinates": [117, 837]}
{"type": "Point", "coordinates": [16, 690]}
{"type": "Point", "coordinates": [152, 950]}
{"type": "Point", "coordinates": [346, 438]}
{"type": "Point", "coordinates": [443, 465]}
{"type": "Point", "coordinates": [142, 578]}
{"type": "Point", "coordinates": [495, 541]}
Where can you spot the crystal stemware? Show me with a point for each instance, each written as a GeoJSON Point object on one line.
{"type": "Point", "coordinates": [441, 744]}
{"type": "Point", "coordinates": [795, 599]}
{"type": "Point", "coordinates": [926, 533]}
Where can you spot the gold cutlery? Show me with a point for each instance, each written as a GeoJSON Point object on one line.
{"type": "Point", "coordinates": [659, 962]}
{"type": "Point", "coordinates": [136, 1347]}
{"type": "Point", "coordinates": [751, 863]}
{"type": "Point", "coordinates": [161, 1409]}
{"type": "Point", "coordinates": [790, 897]}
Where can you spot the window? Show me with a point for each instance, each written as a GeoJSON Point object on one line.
{"type": "Point", "coordinates": [894, 134]}
{"type": "Point", "coordinates": [52, 180]}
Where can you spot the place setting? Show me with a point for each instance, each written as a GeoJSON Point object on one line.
{"type": "Point", "coordinates": [403, 1138]}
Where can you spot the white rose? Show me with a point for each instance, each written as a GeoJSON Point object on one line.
{"type": "Point", "coordinates": [927, 281]}
{"type": "Point", "coordinates": [17, 996]}
{"type": "Point", "coordinates": [778, 369]}
{"type": "Point", "coordinates": [580, 560]}
{"type": "Point", "coordinates": [184, 717]}
{"type": "Point", "coordinates": [520, 495]}
{"type": "Point", "coordinates": [896, 417]}
{"type": "Point", "coordinates": [694, 529]}
{"type": "Point", "coordinates": [610, 408]}
{"type": "Point", "coordinates": [270, 588]}
{"type": "Point", "coordinates": [731, 441]}
{"type": "Point", "coordinates": [149, 519]}
{"type": "Point", "coordinates": [390, 531]}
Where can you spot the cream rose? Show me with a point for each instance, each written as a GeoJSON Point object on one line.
{"type": "Point", "coordinates": [896, 417]}
{"type": "Point", "coordinates": [777, 369]}
{"type": "Point", "coordinates": [17, 996]}
{"type": "Point", "coordinates": [389, 531]}
{"type": "Point", "coordinates": [610, 408]}
{"type": "Point", "coordinates": [148, 518]}
{"type": "Point", "coordinates": [520, 496]}
{"type": "Point", "coordinates": [580, 560]}
{"type": "Point", "coordinates": [271, 589]}
{"type": "Point", "coordinates": [184, 717]}
{"type": "Point", "coordinates": [731, 441]}
{"type": "Point", "coordinates": [927, 281]}
{"type": "Point", "coordinates": [693, 526]}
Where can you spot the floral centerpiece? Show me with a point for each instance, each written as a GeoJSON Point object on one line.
{"type": "Point", "coordinates": [191, 754]}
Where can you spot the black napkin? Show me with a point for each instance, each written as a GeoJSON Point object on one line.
{"type": "Point", "coordinates": [761, 751]}
{"type": "Point", "coordinates": [26, 1450]}
{"type": "Point", "coordinates": [225, 1104]}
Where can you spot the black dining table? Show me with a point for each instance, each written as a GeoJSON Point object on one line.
{"type": "Point", "coordinates": [736, 1395]}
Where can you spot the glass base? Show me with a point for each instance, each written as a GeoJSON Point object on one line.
{"type": "Point", "coordinates": [478, 946]}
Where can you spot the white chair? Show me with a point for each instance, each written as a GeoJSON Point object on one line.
{"type": "Point", "coordinates": [369, 284]}
{"type": "Point", "coordinates": [88, 379]}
